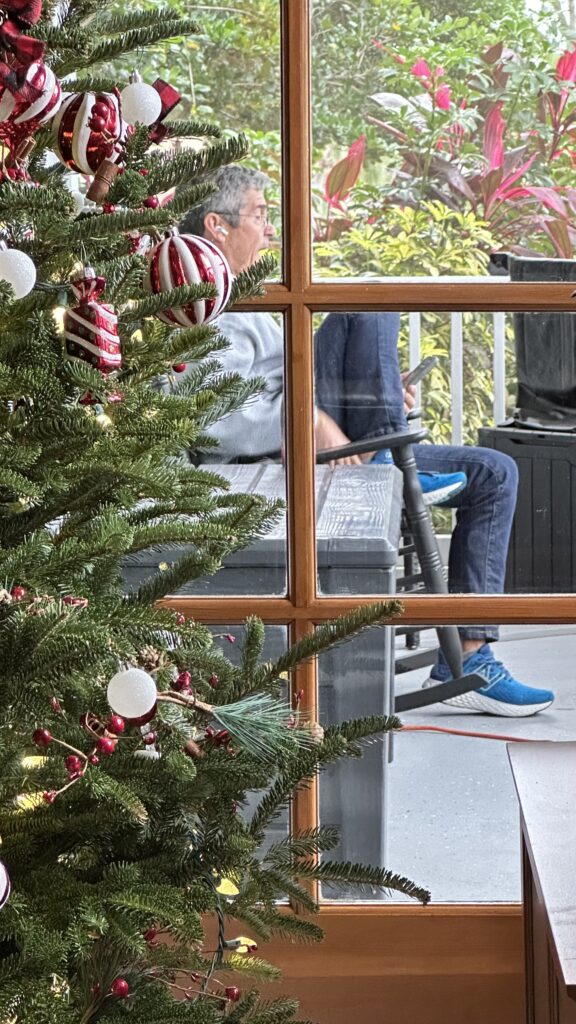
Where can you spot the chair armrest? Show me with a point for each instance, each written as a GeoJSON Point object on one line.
{"type": "Point", "coordinates": [371, 444]}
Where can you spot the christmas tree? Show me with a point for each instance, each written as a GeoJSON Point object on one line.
{"type": "Point", "coordinates": [127, 739]}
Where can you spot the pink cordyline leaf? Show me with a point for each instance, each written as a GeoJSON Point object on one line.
{"type": "Point", "coordinates": [442, 97]}
{"type": "Point", "coordinates": [548, 196]}
{"type": "Point", "coordinates": [421, 70]}
{"type": "Point", "coordinates": [341, 179]}
{"type": "Point", "coordinates": [494, 128]}
{"type": "Point", "coordinates": [559, 234]}
{"type": "Point", "coordinates": [566, 66]}
{"type": "Point", "coordinates": [502, 193]}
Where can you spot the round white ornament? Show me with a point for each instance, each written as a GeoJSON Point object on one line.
{"type": "Point", "coordinates": [140, 103]}
{"type": "Point", "coordinates": [4, 885]}
{"type": "Point", "coordinates": [132, 693]}
{"type": "Point", "coordinates": [18, 270]}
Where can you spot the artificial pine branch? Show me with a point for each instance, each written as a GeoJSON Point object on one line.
{"type": "Point", "coordinates": [249, 282]}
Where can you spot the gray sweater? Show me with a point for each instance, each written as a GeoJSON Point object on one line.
{"type": "Point", "coordinates": [256, 350]}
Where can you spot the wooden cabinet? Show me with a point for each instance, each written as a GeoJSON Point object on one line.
{"type": "Point", "coordinates": [545, 777]}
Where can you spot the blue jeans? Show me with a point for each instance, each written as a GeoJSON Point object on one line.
{"type": "Point", "coordinates": [358, 384]}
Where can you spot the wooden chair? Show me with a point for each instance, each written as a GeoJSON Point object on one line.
{"type": "Point", "coordinates": [431, 572]}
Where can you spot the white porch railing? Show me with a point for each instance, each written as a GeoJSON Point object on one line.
{"type": "Point", "coordinates": [457, 349]}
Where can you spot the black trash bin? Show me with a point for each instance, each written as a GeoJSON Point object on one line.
{"type": "Point", "coordinates": [542, 551]}
{"type": "Point", "coordinates": [545, 351]}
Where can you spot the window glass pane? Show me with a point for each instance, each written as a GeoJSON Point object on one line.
{"type": "Point", "coordinates": [442, 807]}
{"type": "Point", "coordinates": [499, 477]}
{"type": "Point", "coordinates": [246, 456]}
{"type": "Point", "coordinates": [229, 75]}
{"type": "Point", "coordinates": [441, 134]}
{"type": "Point", "coordinates": [275, 644]}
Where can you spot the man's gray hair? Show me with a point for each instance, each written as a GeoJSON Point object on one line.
{"type": "Point", "coordinates": [232, 182]}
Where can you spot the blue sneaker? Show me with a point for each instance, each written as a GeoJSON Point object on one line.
{"type": "Point", "coordinates": [438, 488]}
{"type": "Point", "coordinates": [503, 695]}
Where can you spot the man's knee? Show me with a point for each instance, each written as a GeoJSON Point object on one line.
{"type": "Point", "coordinates": [386, 321]}
{"type": "Point", "coordinates": [502, 467]}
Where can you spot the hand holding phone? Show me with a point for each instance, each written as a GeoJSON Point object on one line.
{"type": "Point", "coordinates": [419, 372]}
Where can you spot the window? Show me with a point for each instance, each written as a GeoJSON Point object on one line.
{"type": "Point", "coordinates": [461, 309]}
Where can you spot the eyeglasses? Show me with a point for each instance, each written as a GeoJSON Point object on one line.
{"type": "Point", "coordinates": [261, 216]}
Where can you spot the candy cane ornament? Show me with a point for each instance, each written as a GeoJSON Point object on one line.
{"type": "Point", "coordinates": [91, 327]}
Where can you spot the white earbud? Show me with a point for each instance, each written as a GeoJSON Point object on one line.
{"type": "Point", "coordinates": [221, 230]}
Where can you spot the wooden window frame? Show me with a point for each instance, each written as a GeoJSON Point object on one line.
{"type": "Point", "coordinates": [298, 298]}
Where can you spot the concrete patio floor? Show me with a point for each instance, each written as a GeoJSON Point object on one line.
{"type": "Point", "coordinates": [453, 820]}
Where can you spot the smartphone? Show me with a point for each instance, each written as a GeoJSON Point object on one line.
{"type": "Point", "coordinates": [419, 372]}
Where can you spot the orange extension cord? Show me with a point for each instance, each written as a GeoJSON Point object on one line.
{"type": "Point", "coordinates": [465, 732]}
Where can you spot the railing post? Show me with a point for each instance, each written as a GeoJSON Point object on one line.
{"type": "Point", "coordinates": [457, 377]}
{"type": "Point", "coordinates": [499, 367]}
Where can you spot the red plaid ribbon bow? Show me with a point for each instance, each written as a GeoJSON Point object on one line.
{"type": "Point", "coordinates": [14, 80]}
{"type": "Point", "coordinates": [23, 12]}
{"type": "Point", "coordinates": [88, 287]}
{"type": "Point", "coordinates": [15, 15]}
{"type": "Point", "coordinates": [169, 97]}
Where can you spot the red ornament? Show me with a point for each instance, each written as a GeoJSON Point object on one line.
{"type": "Point", "coordinates": [150, 738]}
{"type": "Point", "coordinates": [150, 935]}
{"type": "Point", "coordinates": [183, 681]}
{"type": "Point", "coordinates": [77, 145]}
{"type": "Point", "coordinates": [144, 719]}
{"type": "Point", "coordinates": [232, 993]}
{"type": "Point", "coordinates": [144, 172]}
{"type": "Point", "coordinates": [151, 202]}
{"type": "Point", "coordinates": [108, 208]}
{"type": "Point", "coordinates": [180, 619]}
{"type": "Point", "coordinates": [73, 763]}
{"type": "Point", "coordinates": [75, 602]}
{"type": "Point", "coordinates": [42, 737]}
{"type": "Point", "coordinates": [94, 759]}
{"type": "Point", "coordinates": [179, 367]}
{"type": "Point", "coordinates": [116, 724]}
{"type": "Point", "coordinates": [91, 328]}
{"type": "Point", "coordinates": [106, 746]}
{"type": "Point", "coordinates": [231, 638]}
{"type": "Point", "coordinates": [49, 796]}
{"type": "Point", "coordinates": [120, 988]}
{"type": "Point", "coordinates": [18, 593]}
{"type": "Point", "coordinates": [214, 680]}
{"type": "Point", "coordinates": [189, 259]}
{"type": "Point", "coordinates": [28, 98]}
{"type": "Point", "coordinates": [222, 738]}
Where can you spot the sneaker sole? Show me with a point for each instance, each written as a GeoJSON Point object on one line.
{"type": "Point", "coordinates": [479, 702]}
{"type": "Point", "coordinates": [442, 494]}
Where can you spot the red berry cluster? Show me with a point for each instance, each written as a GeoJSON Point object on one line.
{"type": "Point", "coordinates": [99, 119]}
{"type": "Point", "coordinates": [183, 683]}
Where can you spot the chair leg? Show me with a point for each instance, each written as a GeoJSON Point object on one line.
{"type": "Point", "coordinates": [427, 550]}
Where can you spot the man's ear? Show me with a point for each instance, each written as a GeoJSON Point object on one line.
{"type": "Point", "coordinates": [214, 229]}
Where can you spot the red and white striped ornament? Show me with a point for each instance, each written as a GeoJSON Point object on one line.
{"type": "Point", "coordinates": [4, 885]}
{"type": "Point", "coordinates": [91, 328]}
{"type": "Point", "coordinates": [189, 259]}
{"type": "Point", "coordinates": [88, 129]}
{"type": "Point", "coordinates": [43, 99]}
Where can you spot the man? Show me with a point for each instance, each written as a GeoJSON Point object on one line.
{"type": "Point", "coordinates": [359, 394]}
